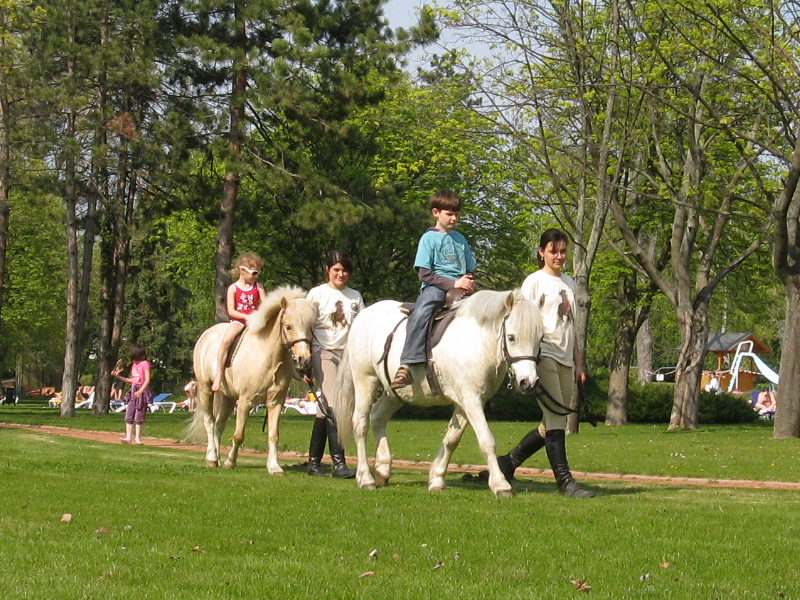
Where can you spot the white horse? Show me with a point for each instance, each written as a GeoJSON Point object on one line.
{"type": "Point", "coordinates": [274, 346]}
{"type": "Point", "coordinates": [494, 333]}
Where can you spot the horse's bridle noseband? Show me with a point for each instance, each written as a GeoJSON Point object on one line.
{"type": "Point", "coordinates": [289, 344]}
{"type": "Point", "coordinates": [510, 360]}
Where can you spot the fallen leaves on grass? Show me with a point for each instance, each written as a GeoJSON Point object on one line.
{"type": "Point", "coordinates": [374, 553]}
{"type": "Point", "coordinates": [198, 549]}
{"type": "Point", "coordinates": [396, 556]}
{"type": "Point", "coordinates": [66, 518]}
{"type": "Point", "coordinates": [101, 530]}
{"type": "Point", "coordinates": [367, 574]}
{"type": "Point", "coordinates": [580, 585]}
{"type": "Point", "coordinates": [644, 577]}
{"type": "Point", "coordinates": [438, 565]}
{"type": "Point", "coordinates": [665, 565]}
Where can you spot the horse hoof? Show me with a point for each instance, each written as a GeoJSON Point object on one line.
{"type": "Point", "coordinates": [212, 464]}
{"type": "Point", "coordinates": [278, 472]}
{"type": "Point", "coordinates": [229, 465]}
{"type": "Point", "coordinates": [504, 493]}
{"type": "Point", "coordinates": [435, 487]}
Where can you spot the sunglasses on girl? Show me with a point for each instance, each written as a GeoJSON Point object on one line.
{"type": "Point", "coordinates": [253, 272]}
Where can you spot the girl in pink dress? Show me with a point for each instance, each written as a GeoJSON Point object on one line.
{"type": "Point", "coordinates": [139, 396]}
{"type": "Point", "coordinates": [244, 296]}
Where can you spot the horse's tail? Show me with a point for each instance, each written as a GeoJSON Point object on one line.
{"type": "Point", "coordinates": [344, 400]}
{"type": "Point", "coordinates": [195, 432]}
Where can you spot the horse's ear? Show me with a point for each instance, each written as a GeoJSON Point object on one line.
{"type": "Point", "coordinates": [509, 302]}
{"type": "Point", "coordinates": [284, 302]}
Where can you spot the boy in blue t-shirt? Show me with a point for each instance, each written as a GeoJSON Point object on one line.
{"type": "Point", "coordinates": [444, 261]}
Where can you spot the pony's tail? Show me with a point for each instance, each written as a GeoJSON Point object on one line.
{"type": "Point", "coordinates": [344, 400]}
{"type": "Point", "coordinates": [195, 432]}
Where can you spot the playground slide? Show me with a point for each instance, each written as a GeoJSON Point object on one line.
{"type": "Point", "coordinates": [771, 375]}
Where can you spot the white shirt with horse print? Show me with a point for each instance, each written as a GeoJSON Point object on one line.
{"type": "Point", "coordinates": [555, 297]}
{"type": "Point", "coordinates": [336, 310]}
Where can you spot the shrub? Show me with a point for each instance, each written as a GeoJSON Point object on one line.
{"type": "Point", "coordinates": [725, 408]}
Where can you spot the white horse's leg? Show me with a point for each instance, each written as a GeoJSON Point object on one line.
{"type": "Point", "coordinates": [242, 413]}
{"type": "Point", "coordinates": [273, 416]}
{"type": "Point", "coordinates": [382, 411]}
{"type": "Point", "coordinates": [473, 409]}
{"type": "Point", "coordinates": [455, 429]}
{"type": "Point", "coordinates": [365, 390]}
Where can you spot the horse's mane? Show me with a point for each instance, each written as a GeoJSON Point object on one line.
{"type": "Point", "coordinates": [271, 306]}
{"type": "Point", "coordinates": [490, 307]}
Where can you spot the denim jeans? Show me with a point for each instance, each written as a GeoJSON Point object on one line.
{"type": "Point", "coordinates": [414, 351]}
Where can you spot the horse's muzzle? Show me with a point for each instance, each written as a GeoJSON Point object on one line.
{"type": "Point", "coordinates": [526, 386]}
{"type": "Point", "coordinates": [303, 365]}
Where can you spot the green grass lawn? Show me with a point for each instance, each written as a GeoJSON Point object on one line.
{"type": "Point", "coordinates": [155, 523]}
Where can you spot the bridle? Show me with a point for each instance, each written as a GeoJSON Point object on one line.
{"type": "Point", "coordinates": [510, 360]}
{"type": "Point", "coordinates": [289, 344]}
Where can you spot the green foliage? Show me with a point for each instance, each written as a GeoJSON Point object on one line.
{"type": "Point", "coordinates": [33, 314]}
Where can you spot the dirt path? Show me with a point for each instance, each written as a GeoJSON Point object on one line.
{"type": "Point", "coordinates": [109, 437]}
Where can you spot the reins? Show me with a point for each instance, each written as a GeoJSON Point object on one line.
{"type": "Point", "coordinates": [542, 395]}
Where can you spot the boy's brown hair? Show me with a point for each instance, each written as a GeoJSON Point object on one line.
{"type": "Point", "coordinates": [445, 200]}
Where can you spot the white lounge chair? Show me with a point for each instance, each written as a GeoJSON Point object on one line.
{"type": "Point", "coordinates": [159, 403]}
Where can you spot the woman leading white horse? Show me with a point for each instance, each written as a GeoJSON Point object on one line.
{"type": "Point", "coordinates": [493, 333]}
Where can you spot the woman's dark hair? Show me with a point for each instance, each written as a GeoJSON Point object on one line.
{"type": "Point", "coordinates": [551, 235]}
{"type": "Point", "coordinates": [138, 353]}
{"type": "Point", "coordinates": [337, 256]}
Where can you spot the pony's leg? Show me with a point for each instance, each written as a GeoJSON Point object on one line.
{"type": "Point", "coordinates": [273, 417]}
{"type": "Point", "coordinates": [212, 446]}
{"type": "Point", "coordinates": [366, 388]}
{"type": "Point", "coordinates": [473, 408]}
{"type": "Point", "coordinates": [225, 406]}
{"type": "Point", "coordinates": [382, 411]}
{"type": "Point", "coordinates": [455, 429]}
{"type": "Point", "coordinates": [242, 412]}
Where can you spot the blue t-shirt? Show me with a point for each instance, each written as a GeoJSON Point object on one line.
{"type": "Point", "coordinates": [445, 254]}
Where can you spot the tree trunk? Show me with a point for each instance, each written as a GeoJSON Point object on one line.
{"type": "Point", "coordinates": [787, 415]}
{"type": "Point", "coordinates": [230, 187]}
{"type": "Point", "coordinates": [644, 353]}
{"type": "Point", "coordinates": [5, 181]}
{"type": "Point", "coordinates": [617, 408]}
{"type": "Point", "coordinates": [69, 381]}
{"type": "Point", "coordinates": [689, 370]}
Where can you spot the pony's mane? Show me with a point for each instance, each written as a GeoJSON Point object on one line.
{"type": "Point", "coordinates": [486, 306]}
{"type": "Point", "coordinates": [271, 305]}
{"type": "Point", "coordinates": [489, 307]}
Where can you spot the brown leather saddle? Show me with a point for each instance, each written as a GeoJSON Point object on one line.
{"type": "Point", "coordinates": [438, 325]}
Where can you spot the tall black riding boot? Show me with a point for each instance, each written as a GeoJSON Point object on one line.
{"type": "Point", "coordinates": [530, 444]}
{"type": "Point", "coordinates": [557, 453]}
{"type": "Point", "coordinates": [340, 468]}
{"type": "Point", "coordinates": [319, 435]}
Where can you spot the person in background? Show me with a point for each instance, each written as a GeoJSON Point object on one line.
{"type": "Point", "coordinates": [139, 395]}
